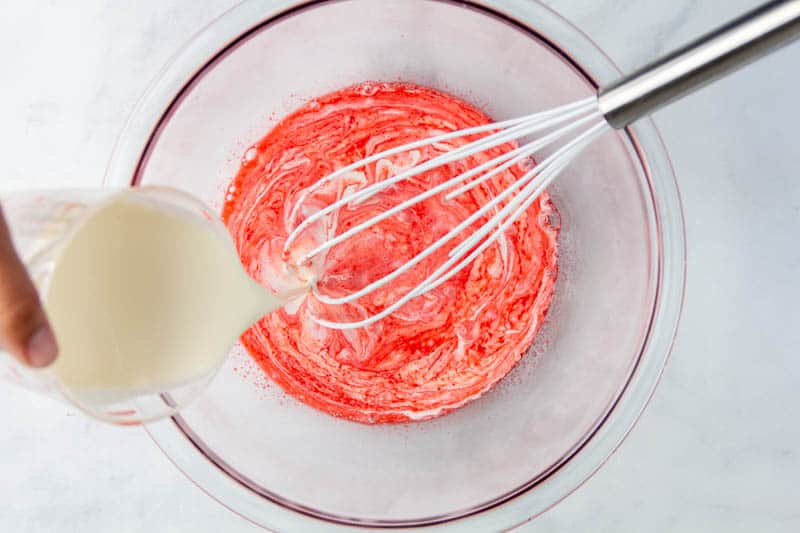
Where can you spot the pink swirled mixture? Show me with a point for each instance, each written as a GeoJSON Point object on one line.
{"type": "Point", "coordinates": [438, 351]}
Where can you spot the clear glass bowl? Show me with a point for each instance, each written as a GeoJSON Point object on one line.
{"type": "Point", "coordinates": [555, 419]}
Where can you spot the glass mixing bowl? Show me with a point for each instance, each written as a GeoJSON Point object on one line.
{"type": "Point", "coordinates": [554, 420]}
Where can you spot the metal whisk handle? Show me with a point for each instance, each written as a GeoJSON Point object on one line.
{"type": "Point", "coordinates": [700, 62]}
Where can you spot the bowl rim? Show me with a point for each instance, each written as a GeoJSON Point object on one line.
{"type": "Point", "coordinates": [522, 504]}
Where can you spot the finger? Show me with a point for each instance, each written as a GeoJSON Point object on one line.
{"type": "Point", "coordinates": [24, 329]}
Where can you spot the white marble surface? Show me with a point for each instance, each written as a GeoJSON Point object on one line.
{"type": "Point", "coordinates": [717, 450]}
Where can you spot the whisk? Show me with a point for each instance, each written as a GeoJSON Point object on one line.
{"type": "Point", "coordinates": [570, 128]}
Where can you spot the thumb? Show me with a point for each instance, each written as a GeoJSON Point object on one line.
{"type": "Point", "coordinates": [24, 329]}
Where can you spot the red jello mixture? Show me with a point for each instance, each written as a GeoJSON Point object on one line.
{"type": "Point", "coordinates": [437, 352]}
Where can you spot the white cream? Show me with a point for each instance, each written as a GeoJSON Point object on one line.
{"type": "Point", "coordinates": [143, 299]}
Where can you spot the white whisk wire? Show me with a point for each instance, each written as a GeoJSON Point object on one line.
{"type": "Point", "coordinates": [519, 155]}
{"type": "Point", "coordinates": [447, 237]}
{"type": "Point", "coordinates": [521, 128]}
{"type": "Point", "coordinates": [534, 182]}
{"type": "Point", "coordinates": [539, 116]}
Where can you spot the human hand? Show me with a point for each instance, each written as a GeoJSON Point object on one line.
{"type": "Point", "coordinates": [24, 329]}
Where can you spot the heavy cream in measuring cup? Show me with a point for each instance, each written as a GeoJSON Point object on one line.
{"type": "Point", "coordinates": [144, 298]}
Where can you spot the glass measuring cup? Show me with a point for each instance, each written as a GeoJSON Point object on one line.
{"type": "Point", "coordinates": [42, 223]}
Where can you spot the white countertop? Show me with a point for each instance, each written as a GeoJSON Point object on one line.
{"type": "Point", "coordinates": [718, 449]}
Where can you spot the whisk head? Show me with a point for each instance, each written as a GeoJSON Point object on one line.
{"type": "Point", "coordinates": [570, 127]}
